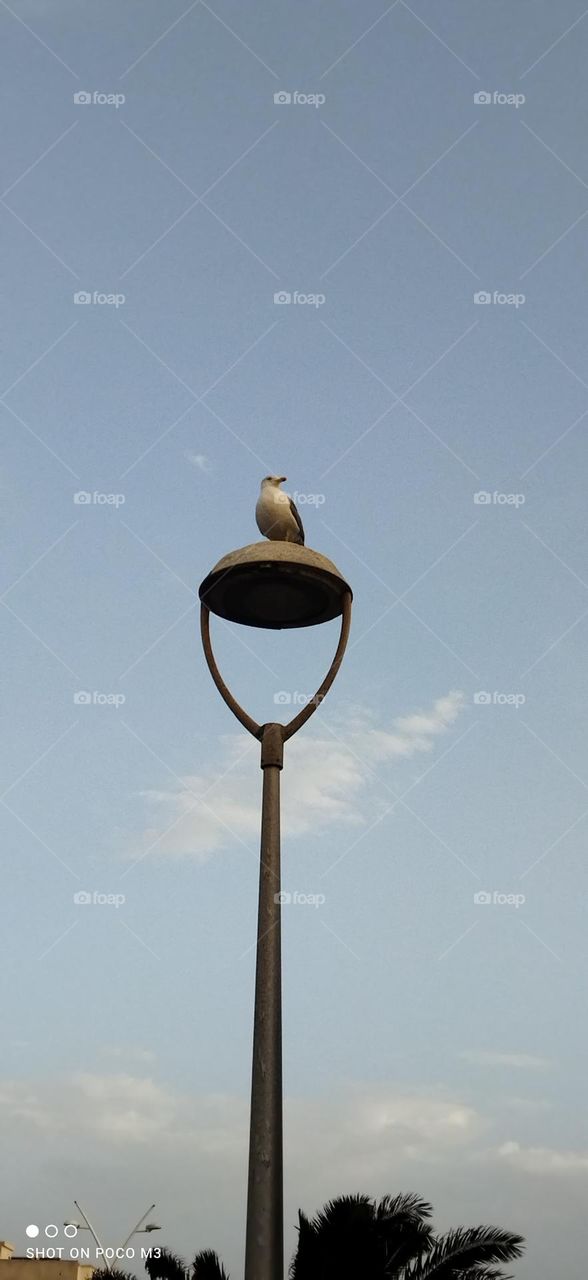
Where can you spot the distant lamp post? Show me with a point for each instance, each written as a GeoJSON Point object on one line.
{"type": "Point", "coordinates": [138, 1230]}
{"type": "Point", "coordinates": [273, 585]}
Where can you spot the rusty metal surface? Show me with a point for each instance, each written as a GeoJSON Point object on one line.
{"type": "Point", "coordinates": [264, 1249]}
{"type": "Point", "coordinates": [275, 585]}
{"type": "Point", "coordinates": [264, 1246]}
{"type": "Point", "coordinates": [242, 716]}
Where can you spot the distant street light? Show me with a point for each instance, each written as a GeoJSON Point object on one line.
{"type": "Point", "coordinates": [272, 585]}
{"type": "Point", "coordinates": [138, 1230]}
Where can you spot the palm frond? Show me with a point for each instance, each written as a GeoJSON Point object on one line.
{"type": "Point", "coordinates": [207, 1266]}
{"type": "Point", "coordinates": [354, 1235]}
{"type": "Point", "coordinates": [114, 1272]}
{"type": "Point", "coordinates": [484, 1273]}
{"type": "Point", "coordinates": [166, 1266]}
{"type": "Point", "coordinates": [300, 1266]}
{"type": "Point", "coordinates": [404, 1246]}
{"type": "Point", "coordinates": [407, 1205]}
{"type": "Point", "coordinates": [341, 1240]}
{"type": "Point", "coordinates": [406, 1236]}
{"type": "Point", "coordinates": [467, 1249]}
{"type": "Point", "coordinates": [344, 1209]}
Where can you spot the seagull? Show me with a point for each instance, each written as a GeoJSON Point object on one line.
{"type": "Point", "coordinates": [276, 514]}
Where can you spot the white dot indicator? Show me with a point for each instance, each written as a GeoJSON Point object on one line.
{"type": "Point", "coordinates": [51, 1230]}
{"type": "Point", "coordinates": [70, 1230]}
{"type": "Point", "coordinates": [32, 1231]}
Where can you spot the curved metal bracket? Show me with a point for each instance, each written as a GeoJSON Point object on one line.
{"type": "Point", "coordinates": [247, 721]}
{"type": "Point", "coordinates": [296, 723]}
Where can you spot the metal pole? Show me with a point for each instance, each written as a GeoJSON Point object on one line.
{"type": "Point", "coordinates": [135, 1229]}
{"type": "Point", "coordinates": [264, 1247]}
{"type": "Point", "coordinates": [105, 1262]}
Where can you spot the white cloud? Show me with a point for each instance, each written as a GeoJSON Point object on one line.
{"type": "Point", "coordinates": [328, 780]}
{"type": "Point", "coordinates": [519, 1061]}
{"type": "Point", "coordinates": [361, 1134]}
{"type": "Point", "coordinates": [543, 1160]}
{"type": "Point", "coordinates": [107, 1109]}
{"type": "Point", "coordinates": [188, 1152]}
{"type": "Point", "coordinates": [365, 1124]}
{"type": "Point", "coordinates": [198, 460]}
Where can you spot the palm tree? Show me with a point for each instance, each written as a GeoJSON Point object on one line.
{"type": "Point", "coordinates": [169, 1266]}
{"type": "Point", "coordinates": [114, 1274]}
{"type": "Point", "coordinates": [356, 1238]}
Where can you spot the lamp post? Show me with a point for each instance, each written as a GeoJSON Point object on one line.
{"type": "Point", "coordinates": [273, 585]}
{"type": "Point", "coordinates": [138, 1230]}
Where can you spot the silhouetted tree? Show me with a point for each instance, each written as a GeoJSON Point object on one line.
{"type": "Point", "coordinates": [356, 1238]}
{"type": "Point", "coordinates": [169, 1266]}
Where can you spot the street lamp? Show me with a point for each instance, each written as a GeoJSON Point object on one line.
{"type": "Point", "coordinates": [138, 1230]}
{"type": "Point", "coordinates": [272, 585]}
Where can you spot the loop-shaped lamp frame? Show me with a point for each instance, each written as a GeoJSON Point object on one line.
{"type": "Point", "coordinates": [288, 730]}
{"type": "Point", "coordinates": [272, 585]}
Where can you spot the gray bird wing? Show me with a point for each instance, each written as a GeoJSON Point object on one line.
{"type": "Point", "coordinates": [294, 511]}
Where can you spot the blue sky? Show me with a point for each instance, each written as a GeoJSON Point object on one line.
{"type": "Point", "coordinates": [437, 447]}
